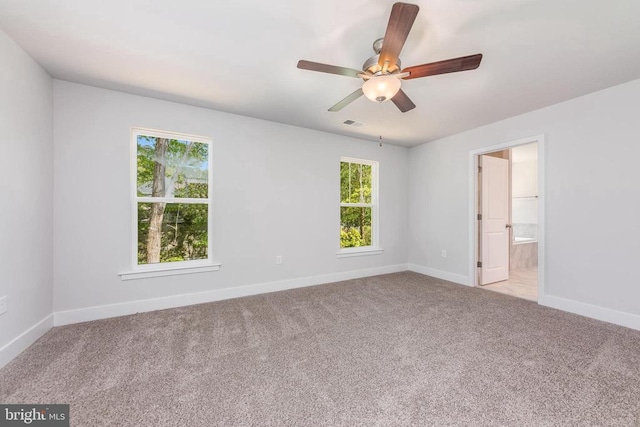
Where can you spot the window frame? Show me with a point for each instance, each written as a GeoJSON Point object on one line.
{"type": "Point", "coordinates": [173, 267]}
{"type": "Point", "coordinates": [374, 248]}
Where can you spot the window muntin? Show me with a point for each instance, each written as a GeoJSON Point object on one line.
{"type": "Point", "coordinates": [172, 215]}
{"type": "Point", "coordinates": [358, 204]}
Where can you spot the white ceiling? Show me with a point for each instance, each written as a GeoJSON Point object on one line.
{"type": "Point", "coordinates": [240, 56]}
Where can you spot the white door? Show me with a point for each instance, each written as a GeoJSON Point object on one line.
{"type": "Point", "coordinates": [495, 233]}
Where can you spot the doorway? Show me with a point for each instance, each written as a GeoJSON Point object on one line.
{"type": "Point", "coordinates": [508, 218]}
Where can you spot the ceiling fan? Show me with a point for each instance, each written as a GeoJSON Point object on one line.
{"type": "Point", "coordinates": [382, 72]}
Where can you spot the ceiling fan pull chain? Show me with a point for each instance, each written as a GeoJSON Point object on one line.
{"type": "Point", "coordinates": [380, 124]}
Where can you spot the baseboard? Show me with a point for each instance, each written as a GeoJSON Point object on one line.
{"type": "Point", "coordinates": [595, 312]}
{"type": "Point", "coordinates": [439, 274]}
{"type": "Point", "coordinates": [140, 306]}
{"type": "Point", "coordinates": [621, 318]}
{"type": "Point", "coordinates": [20, 343]}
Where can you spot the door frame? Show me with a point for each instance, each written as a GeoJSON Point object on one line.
{"type": "Point", "coordinates": [473, 206]}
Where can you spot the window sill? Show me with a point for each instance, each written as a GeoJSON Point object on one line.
{"type": "Point", "coordinates": [359, 252]}
{"type": "Point", "coordinates": [168, 271]}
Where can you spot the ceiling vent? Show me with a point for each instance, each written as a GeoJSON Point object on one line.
{"type": "Point", "coordinates": [353, 123]}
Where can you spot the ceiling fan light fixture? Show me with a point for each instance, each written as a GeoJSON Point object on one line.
{"type": "Point", "coordinates": [381, 88]}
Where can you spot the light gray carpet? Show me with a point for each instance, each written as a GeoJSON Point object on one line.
{"type": "Point", "coordinates": [392, 350]}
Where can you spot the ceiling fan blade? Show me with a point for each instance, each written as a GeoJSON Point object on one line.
{"type": "Point", "coordinates": [463, 63]}
{"type": "Point", "coordinates": [400, 22]}
{"type": "Point", "coordinates": [403, 102]}
{"type": "Point", "coordinates": [348, 100]}
{"type": "Point", "coordinates": [326, 68]}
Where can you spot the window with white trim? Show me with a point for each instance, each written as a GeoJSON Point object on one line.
{"type": "Point", "coordinates": [358, 205]}
{"type": "Point", "coordinates": [172, 199]}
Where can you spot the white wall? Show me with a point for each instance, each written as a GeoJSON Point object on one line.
{"type": "Point", "coordinates": [276, 192]}
{"type": "Point", "coordinates": [524, 189]}
{"type": "Point", "coordinates": [524, 178]}
{"type": "Point", "coordinates": [592, 197]}
{"type": "Point", "coordinates": [25, 217]}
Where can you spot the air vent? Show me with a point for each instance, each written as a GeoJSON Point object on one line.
{"type": "Point", "coordinates": [353, 123]}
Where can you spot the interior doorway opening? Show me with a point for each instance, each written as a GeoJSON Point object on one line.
{"type": "Point", "coordinates": [508, 214]}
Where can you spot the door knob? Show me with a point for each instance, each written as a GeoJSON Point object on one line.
{"type": "Point", "coordinates": [507, 226]}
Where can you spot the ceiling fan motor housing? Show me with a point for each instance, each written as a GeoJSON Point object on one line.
{"type": "Point", "coordinates": [377, 45]}
{"type": "Point", "coordinates": [372, 66]}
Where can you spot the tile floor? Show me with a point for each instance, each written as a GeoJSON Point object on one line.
{"type": "Point", "coordinates": [521, 284]}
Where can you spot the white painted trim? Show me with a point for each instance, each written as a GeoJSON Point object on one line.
{"type": "Point", "coordinates": [473, 202]}
{"type": "Point", "coordinates": [356, 160]}
{"type": "Point", "coordinates": [367, 250]}
{"type": "Point", "coordinates": [20, 343]}
{"type": "Point", "coordinates": [140, 306]}
{"type": "Point", "coordinates": [439, 274]}
{"type": "Point", "coordinates": [171, 135]}
{"type": "Point", "coordinates": [542, 197]}
{"type": "Point", "coordinates": [134, 199]}
{"type": "Point", "coordinates": [616, 317]}
{"type": "Point", "coordinates": [168, 271]}
{"type": "Point", "coordinates": [176, 200]}
{"type": "Point", "coordinates": [593, 311]}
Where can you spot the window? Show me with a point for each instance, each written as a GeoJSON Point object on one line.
{"type": "Point", "coordinates": [172, 199]}
{"type": "Point", "coordinates": [358, 205]}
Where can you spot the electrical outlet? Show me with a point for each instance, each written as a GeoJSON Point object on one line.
{"type": "Point", "coordinates": [279, 259]}
{"type": "Point", "coordinates": [3, 305]}
{"type": "Point", "coordinates": [443, 253]}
